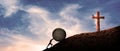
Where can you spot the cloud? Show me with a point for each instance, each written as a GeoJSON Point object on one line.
{"type": "Point", "coordinates": [71, 21]}
{"type": "Point", "coordinates": [10, 7]}
{"type": "Point", "coordinates": [18, 42]}
{"type": "Point", "coordinates": [23, 46]}
{"type": "Point", "coordinates": [41, 23]}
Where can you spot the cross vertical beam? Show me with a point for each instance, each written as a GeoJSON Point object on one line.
{"type": "Point", "coordinates": [98, 17]}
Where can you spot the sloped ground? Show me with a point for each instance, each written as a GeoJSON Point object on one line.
{"type": "Point", "coordinates": [94, 41]}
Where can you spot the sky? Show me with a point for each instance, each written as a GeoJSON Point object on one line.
{"type": "Point", "coordinates": [27, 25]}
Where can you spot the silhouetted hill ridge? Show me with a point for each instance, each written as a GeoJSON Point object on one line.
{"type": "Point", "coordinates": [96, 41]}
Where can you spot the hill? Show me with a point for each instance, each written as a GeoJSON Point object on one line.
{"type": "Point", "coordinates": [96, 41]}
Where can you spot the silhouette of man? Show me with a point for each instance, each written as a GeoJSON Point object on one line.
{"type": "Point", "coordinates": [50, 43]}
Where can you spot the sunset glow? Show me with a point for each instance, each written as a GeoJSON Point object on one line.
{"type": "Point", "coordinates": [27, 25]}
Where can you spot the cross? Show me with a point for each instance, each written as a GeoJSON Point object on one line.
{"type": "Point", "coordinates": [98, 17]}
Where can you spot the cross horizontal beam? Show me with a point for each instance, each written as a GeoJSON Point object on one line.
{"type": "Point", "coordinates": [102, 17]}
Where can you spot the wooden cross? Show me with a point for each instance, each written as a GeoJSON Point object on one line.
{"type": "Point", "coordinates": [98, 17]}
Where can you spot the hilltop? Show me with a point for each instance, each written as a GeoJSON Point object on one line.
{"type": "Point", "coordinates": [96, 41]}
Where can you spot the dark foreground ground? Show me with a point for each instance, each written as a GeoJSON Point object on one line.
{"type": "Point", "coordinates": [105, 40]}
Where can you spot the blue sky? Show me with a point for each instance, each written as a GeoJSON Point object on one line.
{"type": "Point", "coordinates": [27, 25]}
